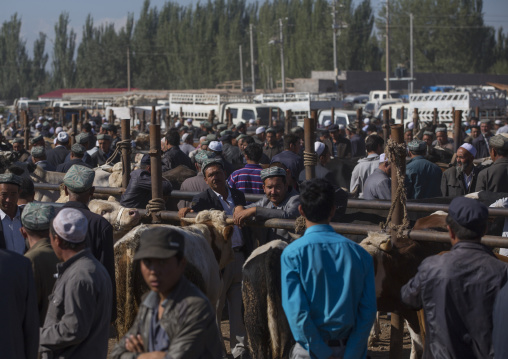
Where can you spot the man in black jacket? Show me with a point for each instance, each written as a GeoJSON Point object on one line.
{"type": "Point", "coordinates": [78, 184]}
{"type": "Point", "coordinates": [174, 156]}
{"type": "Point", "coordinates": [77, 153]}
{"type": "Point", "coordinates": [457, 290]}
{"type": "Point", "coordinates": [57, 155]}
{"type": "Point", "coordinates": [223, 198]}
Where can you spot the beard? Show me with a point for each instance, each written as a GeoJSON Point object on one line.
{"type": "Point", "coordinates": [461, 167]}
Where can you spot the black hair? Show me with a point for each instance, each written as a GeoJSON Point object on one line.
{"type": "Point", "coordinates": [87, 127]}
{"type": "Point", "coordinates": [212, 165]}
{"type": "Point", "coordinates": [173, 137]}
{"type": "Point", "coordinates": [371, 128]}
{"type": "Point", "coordinates": [466, 234]}
{"type": "Point", "coordinates": [502, 152]}
{"type": "Point", "coordinates": [290, 139]}
{"type": "Point", "coordinates": [254, 151]}
{"type": "Point", "coordinates": [418, 152]}
{"type": "Point", "coordinates": [372, 143]}
{"type": "Point", "coordinates": [248, 140]}
{"type": "Point", "coordinates": [27, 188]}
{"type": "Point", "coordinates": [317, 199]}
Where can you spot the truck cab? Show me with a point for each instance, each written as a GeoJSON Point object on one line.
{"type": "Point", "coordinates": [381, 95]}
{"type": "Point", "coordinates": [340, 117]}
{"type": "Point", "coordinates": [246, 111]}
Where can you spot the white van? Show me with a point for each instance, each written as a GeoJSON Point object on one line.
{"type": "Point", "coordinates": [372, 107]}
{"type": "Point", "coordinates": [396, 111]}
{"type": "Point", "coordinates": [381, 95]}
{"type": "Point", "coordinates": [246, 111]}
{"type": "Point", "coordinates": [341, 117]}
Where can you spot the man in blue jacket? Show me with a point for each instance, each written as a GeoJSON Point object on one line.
{"type": "Point", "coordinates": [424, 176]}
{"type": "Point", "coordinates": [328, 291]}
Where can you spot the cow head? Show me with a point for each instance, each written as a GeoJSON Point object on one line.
{"type": "Point", "coordinates": [121, 218]}
{"type": "Point", "coordinates": [220, 235]}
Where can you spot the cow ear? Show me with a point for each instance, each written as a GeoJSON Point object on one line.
{"type": "Point", "coordinates": [111, 199]}
{"type": "Point", "coordinates": [228, 233]}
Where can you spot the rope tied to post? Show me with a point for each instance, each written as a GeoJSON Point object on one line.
{"type": "Point", "coordinates": [310, 158]}
{"type": "Point", "coordinates": [154, 206]}
{"type": "Point", "coordinates": [119, 146]}
{"type": "Point", "coordinates": [396, 152]}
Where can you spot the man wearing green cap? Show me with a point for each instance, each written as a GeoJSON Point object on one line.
{"type": "Point", "coordinates": [424, 176]}
{"type": "Point", "coordinates": [76, 158]}
{"type": "Point", "coordinates": [35, 219]}
{"type": "Point", "coordinates": [84, 139]}
{"type": "Point", "coordinates": [39, 159]}
{"type": "Point", "coordinates": [175, 319]}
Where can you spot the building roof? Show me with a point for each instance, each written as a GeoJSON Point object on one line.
{"type": "Point", "coordinates": [58, 94]}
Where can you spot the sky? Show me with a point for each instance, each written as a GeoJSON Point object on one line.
{"type": "Point", "coordinates": [41, 16]}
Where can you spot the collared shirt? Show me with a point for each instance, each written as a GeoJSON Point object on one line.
{"type": "Point", "coordinates": [14, 240]}
{"type": "Point", "coordinates": [468, 179]}
{"type": "Point", "coordinates": [247, 179]}
{"type": "Point", "coordinates": [159, 339]}
{"type": "Point", "coordinates": [229, 207]}
{"type": "Point", "coordinates": [328, 292]}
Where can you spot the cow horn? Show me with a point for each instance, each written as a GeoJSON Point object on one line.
{"type": "Point", "coordinates": [386, 246]}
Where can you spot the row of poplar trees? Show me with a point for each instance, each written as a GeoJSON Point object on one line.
{"type": "Point", "coordinates": [197, 46]}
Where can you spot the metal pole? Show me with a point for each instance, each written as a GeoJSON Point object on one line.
{"type": "Point", "coordinates": [126, 158]}
{"type": "Point", "coordinates": [435, 118]}
{"type": "Point", "coordinates": [74, 128]}
{"type": "Point", "coordinates": [457, 131]}
{"type": "Point", "coordinates": [309, 135]}
{"type": "Point", "coordinates": [332, 119]}
{"type": "Point", "coordinates": [397, 323]}
{"type": "Point", "coordinates": [143, 122]}
{"type": "Point", "coordinates": [282, 57]}
{"type": "Point", "coordinates": [241, 68]}
{"type": "Point", "coordinates": [252, 72]}
{"type": "Point", "coordinates": [411, 52]}
{"type": "Point", "coordinates": [402, 110]}
{"type": "Point", "coordinates": [270, 117]}
{"type": "Point", "coordinates": [287, 126]}
{"type": "Point", "coordinates": [26, 132]}
{"type": "Point", "coordinates": [386, 125]}
{"type": "Point", "coordinates": [415, 121]}
{"type": "Point", "coordinates": [387, 68]}
{"type": "Point", "coordinates": [155, 163]}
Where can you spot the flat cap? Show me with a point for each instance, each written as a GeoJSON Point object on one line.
{"type": "Point", "coordinates": [36, 139]}
{"type": "Point", "coordinates": [351, 128]}
{"type": "Point", "coordinates": [333, 128]}
{"type": "Point", "coordinates": [37, 215]}
{"type": "Point", "coordinates": [70, 224]}
{"type": "Point", "coordinates": [160, 242]}
{"type": "Point", "coordinates": [469, 213]}
{"type": "Point", "coordinates": [222, 127]}
{"type": "Point", "coordinates": [79, 178]}
{"type": "Point", "coordinates": [82, 138]}
{"type": "Point", "coordinates": [38, 152]}
{"type": "Point", "coordinates": [241, 136]}
{"type": "Point", "coordinates": [211, 137]}
{"type": "Point", "coordinates": [108, 126]}
{"type": "Point", "coordinates": [272, 172]}
{"type": "Point", "coordinates": [18, 140]}
{"type": "Point", "coordinates": [417, 145]}
{"type": "Point", "coordinates": [145, 160]}
{"type": "Point", "coordinates": [226, 132]}
{"type": "Point", "coordinates": [78, 149]}
{"type": "Point", "coordinates": [240, 124]}
{"type": "Point", "coordinates": [203, 155]}
{"type": "Point", "coordinates": [499, 142]}
{"type": "Point", "coordinates": [485, 121]}
{"type": "Point", "coordinates": [103, 137]}
{"type": "Point", "coordinates": [211, 161]}
{"type": "Point", "coordinates": [10, 179]}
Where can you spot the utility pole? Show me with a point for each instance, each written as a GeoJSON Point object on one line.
{"type": "Point", "coordinates": [128, 70]}
{"type": "Point", "coordinates": [282, 57]}
{"type": "Point", "coordinates": [411, 52]}
{"type": "Point", "coordinates": [241, 68]}
{"type": "Point", "coordinates": [387, 49]}
{"type": "Point", "coordinates": [252, 60]}
{"type": "Point", "coordinates": [334, 27]}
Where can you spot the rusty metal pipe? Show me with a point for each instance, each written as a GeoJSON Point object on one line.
{"type": "Point", "coordinates": [435, 119]}
{"type": "Point", "coordinates": [126, 158]}
{"type": "Point", "coordinates": [26, 133]}
{"type": "Point", "coordinates": [74, 128]}
{"type": "Point", "coordinates": [457, 131]}
{"type": "Point", "coordinates": [415, 121]}
{"type": "Point", "coordinates": [155, 163]}
{"type": "Point", "coordinates": [332, 118]}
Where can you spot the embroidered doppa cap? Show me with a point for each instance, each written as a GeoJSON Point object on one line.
{"type": "Point", "coordinates": [159, 243]}
{"type": "Point", "coordinates": [203, 155]}
{"type": "Point", "coordinates": [499, 142]}
{"type": "Point", "coordinates": [36, 139]}
{"type": "Point", "coordinates": [18, 140]}
{"type": "Point", "coordinates": [469, 148]}
{"type": "Point", "coordinates": [10, 178]}
{"type": "Point", "coordinates": [78, 149]}
{"type": "Point", "coordinates": [36, 216]}
{"type": "Point", "coordinates": [79, 179]}
{"type": "Point", "coordinates": [211, 161]}
{"type": "Point", "coordinates": [440, 129]}
{"type": "Point", "coordinates": [38, 152]}
{"type": "Point", "coordinates": [469, 213]}
{"type": "Point", "coordinates": [272, 172]}
{"type": "Point", "coordinates": [103, 137]}
{"type": "Point", "coordinates": [417, 145]}
{"type": "Point", "coordinates": [70, 224]}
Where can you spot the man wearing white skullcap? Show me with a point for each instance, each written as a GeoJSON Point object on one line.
{"type": "Point", "coordinates": [260, 136]}
{"type": "Point", "coordinates": [79, 313]}
{"type": "Point", "coordinates": [379, 184]}
{"type": "Point", "coordinates": [323, 155]}
{"type": "Point", "coordinates": [461, 179]}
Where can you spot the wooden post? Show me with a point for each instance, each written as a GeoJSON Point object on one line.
{"type": "Point", "coordinates": [397, 323]}
{"type": "Point", "coordinates": [159, 117]}
{"type": "Point", "coordinates": [457, 130]}
{"type": "Point", "coordinates": [386, 125]}
{"type": "Point", "coordinates": [287, 126]}
{"type": "Point", "coordinates": [477, 112]}
{"type": "Point", "coordinates": [80, 117]}
{"type": "Point", "coordinates": [435, 118]}
{"type": "Point", "coordinates": [87, 116]}
{"type": "Point", "coordinates": [167, 121]}
{"type": "Point", "coordinates": [230, 119]}
{"type": "Point", "coordinates": [332, 119]}
{"type": "Point", "coordinates": [142, 124]}
{"type": "Point", "coordinates": [309, 125]}
{"type": "Point", "coordinates": [155, 163]}
{"type": "Point", "coordinates": [62, 116]}
{"type": "Point", "coordinates": [270, 117]}
{"type": "Point", "coordinates": [211, 115]}
{"type": "Point", "coordinates": [402, 110]}
{"type": "Point", "coordinates": [415, 121]}
{"type": "Point", "coordinates": [453, 114]}
{"type": "Point", "coordinates": [181, 114]}
{"type": "Point", "coordinates": [228, 113]}
{"type": "Point", "coordinates": [390, 109]}
{"type": "Point", "coordinates": [126, 158]}
{"type": "Point", "coordinates": [278, 117]}
{"type": "Point", "coordinates": [360, 121]}
{"type": "Point", "coordinates": [74, 128]}
{"type": "Point", "coordinates": [26, 132]}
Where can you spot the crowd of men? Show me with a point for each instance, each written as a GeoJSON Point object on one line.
{"type": "Point", "coordinates": [61, 298]}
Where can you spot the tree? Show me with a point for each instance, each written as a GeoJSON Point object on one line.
{"type": "Point", "coordinates": [64, 66]}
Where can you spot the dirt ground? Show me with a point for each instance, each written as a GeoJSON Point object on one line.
{"type": "Point", "coordinates": [380, 350]}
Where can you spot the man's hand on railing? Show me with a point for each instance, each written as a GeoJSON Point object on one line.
{"type": "Point", "coordinates": [183, 212]}
{"type": "Point", "coordinates": [241, 214]}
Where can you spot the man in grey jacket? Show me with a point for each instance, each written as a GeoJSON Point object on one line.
{"type": "Point", "coordinates": [175, 320]}
{"type": "Point", "coordinates": [278, 203]}
{"type": "Point", "coordinates": [79, 312]}
{"type": "Point", "coordinates": [379, 184]}
{"type": "Point", "coordinates": [367, 165]}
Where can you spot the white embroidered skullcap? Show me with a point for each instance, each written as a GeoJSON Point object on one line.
{"type": "Point", "coordinates": [328, 123]}
{"type": "Point", "coordinates": [382, 158]}
{"type": "Point", "coordinates": [260, 130]}
{"type": "Point", "coordinates": [215, 146]}
{"type": "Point", "coordinates": [468, 147]}
{"type": "Point", "coordinates": [319, 147]}
{"type": "Point", "coordinates": [71, 225]}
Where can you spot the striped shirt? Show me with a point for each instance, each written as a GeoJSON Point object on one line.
{"type": "Point", "coordinates": [247, 179]}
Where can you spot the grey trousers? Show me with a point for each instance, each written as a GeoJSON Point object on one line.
{"type": "Point", "coordinates": [299, 352]}
{"type": "Point", "coordinates": [232, 292]}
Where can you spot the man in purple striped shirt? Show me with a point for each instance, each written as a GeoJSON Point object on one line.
{"type": "Point", "coordinates": [248, 179]}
